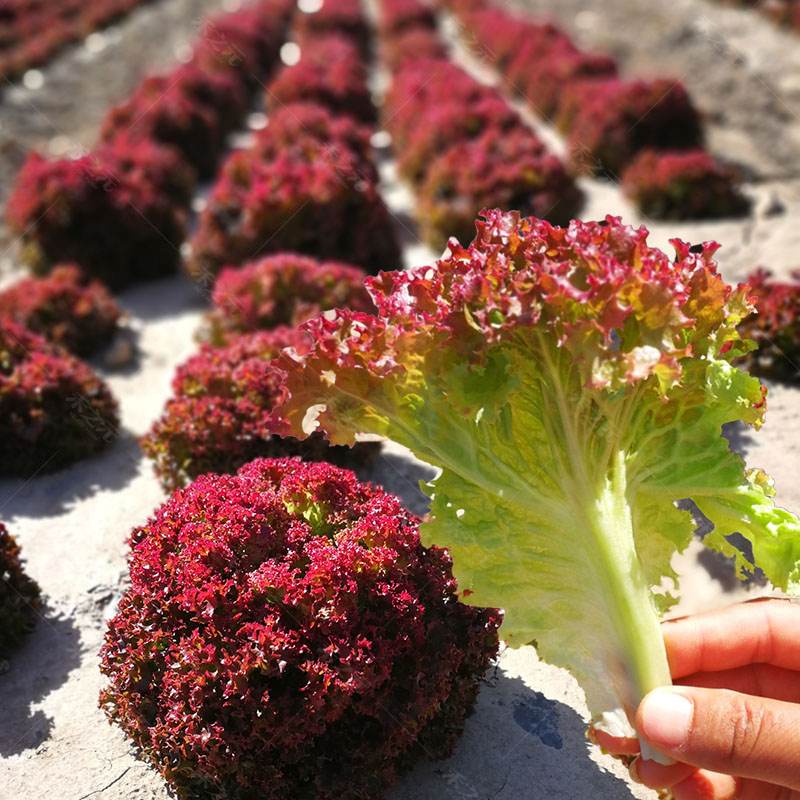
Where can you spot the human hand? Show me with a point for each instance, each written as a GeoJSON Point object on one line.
{"type": "Point", "coordinates": [732, 721]}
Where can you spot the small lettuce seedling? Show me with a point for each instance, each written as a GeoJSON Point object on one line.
{"type": "Point", "coordinates": [571, 385]}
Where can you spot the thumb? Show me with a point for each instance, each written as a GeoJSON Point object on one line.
{"type": "Point", "coordinates": [724, 731]}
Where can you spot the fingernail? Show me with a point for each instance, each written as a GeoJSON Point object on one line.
{"type": "Point", "coordinates": [634, 771]}
{"type": "Point", "coordinates": [666, 717]}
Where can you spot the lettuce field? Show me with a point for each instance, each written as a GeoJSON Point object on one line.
{"type": "Point", "coordinates": [375, 376]}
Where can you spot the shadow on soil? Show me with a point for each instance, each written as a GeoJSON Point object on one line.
{"type": "Point", "coordinates": [163, 298]}
{"type": "Point", "coordinates": [123, 356]}
{"type": "Point", "coordinates": [400, 475]}
{"type": "Point", "coordinates": [518, 743]}
{"type": "Point", "coordinates": [723, 569]}
{"type": "Point", "coordinates": [739, 436]}
{"type": "Point", "coordinates": [48, 495]}
{"type": "Point", "coordinates": [718, 566]}
{"type": "Point", "coordinates": [41, 665]}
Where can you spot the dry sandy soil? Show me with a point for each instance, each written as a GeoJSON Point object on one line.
{"type": "Point", "coordinates": [526, 738]}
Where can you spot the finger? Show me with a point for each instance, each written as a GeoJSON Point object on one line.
{"type": "Point", "coordinates": [724, 731]}
{"type": "Point", "coordinates": [758, 790]}
{"type": "Point", "coordinates": [613, 744]}
{"type": "Point", "coordinates": [706, 785]}
{"type": "Point", "coordinates": [761, 680]}
{"type": "Point", "coordinates": [657, 776]}
{"type": "Point", "coordinates": [689, 783]}
{"type": "Point", "coordinates": [759, 632]}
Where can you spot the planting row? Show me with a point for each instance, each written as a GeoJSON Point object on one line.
{"type": "Point", "coordinates": [299, 641]}
{"type": "Point", "coordinates": [33, 31]}
{"type": "Point", "coordinates": [308, 184]}
{"type": "Point", "coordinates": [120, 211]}
{"type": "Point", "coordinates": [222, 412]}
{"type": "Point", "coordinates": [645, 133]}
{"type": "Point", "coordinates": [459, 143]}
{"type": "Point", "coordinates": [117, 214]}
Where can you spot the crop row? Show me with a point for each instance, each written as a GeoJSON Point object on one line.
{"type": "Point", "coordinates": [307, 184]}
{"type": "Point", "coordinates": [339, 657]}
{"type": "Point", "coordinates": [33, 31]}
{"type": "Point", "coordinates": [645, 133]}
{"type": "Point", "coordinates": [120, 211]}
{"type": "Point", "coordinates": [118, 200]}
{"type": "Point", "coordinates": [458, 141]}
{"type": "Point", "coordinates": [118, 214]}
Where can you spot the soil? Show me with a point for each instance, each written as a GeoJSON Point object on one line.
{"type": "Point", "coordinates": [526, 736]}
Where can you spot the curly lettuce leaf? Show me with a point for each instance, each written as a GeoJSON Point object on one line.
{"type": "Point", "coordinates": [571, 385]}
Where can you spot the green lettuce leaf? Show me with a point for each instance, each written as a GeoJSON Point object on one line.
{"type": "Point", "coordinates": [571, 386]}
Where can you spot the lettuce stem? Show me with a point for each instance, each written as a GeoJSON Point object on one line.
{"type": "Point", "coordinates": [642, 663]}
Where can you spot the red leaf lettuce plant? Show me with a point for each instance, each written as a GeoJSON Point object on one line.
{"type": "Point", "coordinates": [19, 595]}
{"type": "Point", "coordinates": [775, 326]}
{"type": "Point", "coordinates": [53, 409]}
{"type": "Point", "coordinates": [683, 184]}
{"type": "Point", "coordinates": [221, 413]}
{"type": "Point", "coordinates": [284, 289]}
{"type": "Point", "coordinates": [511, 169]}
{"type": "Point", "coordinates": [98, 214]}
{"type": "Point", "coordinates": [64, 307]}
{"type": "Point", "coordinates": [571, 385]}
{"type": "Point", "coordinates": [286, 635]}
{"type": "Point", "coordinates": [410, 46]}
{"type": "Point", "coordinates": [299, 126]}
{"type": "Point", "coordinates": [331, 72]}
